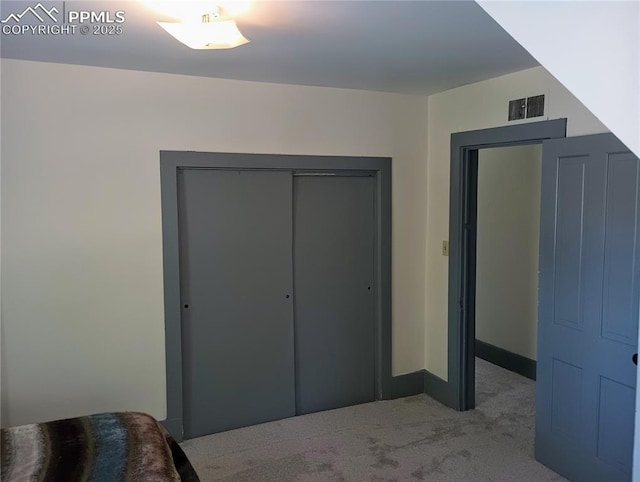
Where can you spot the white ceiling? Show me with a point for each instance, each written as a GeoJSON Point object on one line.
{"type": "Point", "coordinates": [417, 47]}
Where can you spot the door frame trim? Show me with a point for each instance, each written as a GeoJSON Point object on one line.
{"type": "Point", "coordinates": [462, 243]}
{"type": "Point", "coordinates": [171, 161]}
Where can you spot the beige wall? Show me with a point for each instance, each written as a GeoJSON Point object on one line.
{"type": "Point", "coordinates": [476, 106]}
{"type": "Point", "coordinates": [81, 235]}
{"type": "Point", "coordinates": [83, 322]}
{"type": "Point", "coordinates": [507, 247]}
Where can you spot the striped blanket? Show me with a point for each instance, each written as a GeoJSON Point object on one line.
{"type": "Point", "coordinates": [106, 447]}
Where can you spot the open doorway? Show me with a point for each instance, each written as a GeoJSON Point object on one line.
{"type": "Point", "coordinates": [587, 331]}
{"type": "Point", "coordinates": [506, 295]}
{"type": "Point", "coordinates": [508, 219]}
{"type": "Point", "coordinates": [463, 237]}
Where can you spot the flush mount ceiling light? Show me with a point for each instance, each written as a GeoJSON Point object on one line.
{"type": "Point", "coordinates": [211, 29]}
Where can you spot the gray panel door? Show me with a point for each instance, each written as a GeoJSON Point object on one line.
{"type": "Point", "coordinates": [334, 292]}
{"type": "Point", "coordinates": [588, 308]}
{"type": "Point", "coordinates": [237, 310]}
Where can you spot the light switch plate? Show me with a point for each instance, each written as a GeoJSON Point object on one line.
{"type": "Point", "coordinates": [445, 248]}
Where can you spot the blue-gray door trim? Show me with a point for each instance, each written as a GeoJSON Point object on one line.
{"type": "Point", "coordinates": [462, 239]}
{"type": "Point", "coordinates": [171, 161]}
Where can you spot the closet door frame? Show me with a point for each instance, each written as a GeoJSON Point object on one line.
{"type": "Point", "coordinates": [172, 161]}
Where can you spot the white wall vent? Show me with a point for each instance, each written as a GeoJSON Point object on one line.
{"type": "Point", "coordinates": [526, 108]}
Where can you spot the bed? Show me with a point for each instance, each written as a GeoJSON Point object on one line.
{"type": "Point", "coordinates": [126, 446]}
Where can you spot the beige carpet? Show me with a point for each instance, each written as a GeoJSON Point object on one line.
{"type": "Point", "coordinates": [409, 439]}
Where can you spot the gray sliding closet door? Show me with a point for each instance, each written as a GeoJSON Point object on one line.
{"type": "Point", "coordinates": [237, 304]}
{"type": "Point", "coordinates": [334, 292]}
